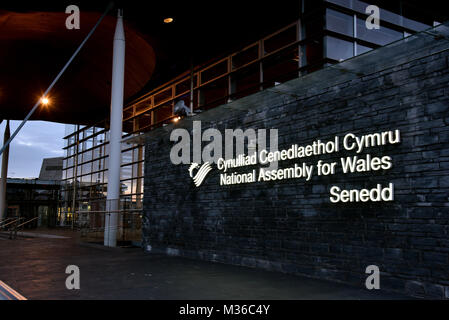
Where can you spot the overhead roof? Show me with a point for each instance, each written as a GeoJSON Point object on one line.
{"type": "Point", "coordinates": [36, 45]}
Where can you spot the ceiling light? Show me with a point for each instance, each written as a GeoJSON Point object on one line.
{"type": "Point", "coordinates": [168, 20]}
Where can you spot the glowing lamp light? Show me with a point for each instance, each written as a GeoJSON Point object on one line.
{"type": "Point", "coordinates": [168, 20]}
{"type": "Point", "coordinates": [176, 119]}
{"type": "Point", "coordinates": [45, 101]}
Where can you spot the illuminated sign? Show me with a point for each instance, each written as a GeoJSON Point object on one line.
{"type": "Point", "coordinates": [357, 163]}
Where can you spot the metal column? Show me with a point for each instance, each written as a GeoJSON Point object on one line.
{"type": "Point", "coordinates": [5, 160]}
{"type": "Point", "coordinates": [118, 72]}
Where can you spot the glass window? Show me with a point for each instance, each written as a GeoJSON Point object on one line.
{"type": "Point", "coordinates": [142, 107]}
{"type": "Point", "coordinates": [86, 168]}
{"type": "Point", "coordinates": [69, 129]}
{"type": "Point", "coordinates": [138, 170]}
{"type": "Point", "coordinates": [126, 173]}
{"type": "Point", "coordinates": [126, 187]}
{"type": "Point", "coordinates": [88, 132]}
{"type": "Point", "coordinates": [96, 165]}
{"type": "Point", "coordinates": [338, 49]}
{"type": "Point", "coordinates": [163, 96]}
{"type": "Point", "coordinates": [71, 141]}
{"type": "Point", "coordinates": [127, 156]}
{"type": "Point", "coordinates": [100, 138]}
{"type": "Point", "coordinates": [69, 173]}
{"type": "Point", "coordinates": [85, 180]}
{"type": "Point", "coordinates": [97, 152]}
{"type": "Point", "coordinates": [245, 57]}
{"type": "Point", "coordinates": [89, 144]}
{"type": "Point", "coordinates": [182, 87]}
{"type": "Point", "coordinates": [362, 49]}
{"type": "Point", "coordinates": [415, 25]}
{"type": "Point", "coordinates": [382, 36]}
{"type": "Point", "coordinates": [339, 22]}
{"type": "Point", "coordinates": [98, 177]}
{"type": "Point", "coordinates": [87, 156]}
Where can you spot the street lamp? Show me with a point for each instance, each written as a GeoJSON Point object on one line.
{"type": "Point", "coordinates": [45, 101]}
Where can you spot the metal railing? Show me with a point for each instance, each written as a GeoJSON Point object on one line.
{"type": "Point", "coordinates": [13, 231]}
{"type": "Point", "coordinates": [11, 224]}
{"type": "Point", "coordinates": [90, 219]}
{"type": "Point", "coordinates": [129, 225]}
{"type": "Point", "coordinates": [252, 64]}
{"type": "Point", "coordinates": [276, 58]}
{"type": "Point", "coordinates": [4, 221]}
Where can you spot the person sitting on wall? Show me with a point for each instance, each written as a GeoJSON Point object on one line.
{"type": "Point", "coordinates": [181, 109]}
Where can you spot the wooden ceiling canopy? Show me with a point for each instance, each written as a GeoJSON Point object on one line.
{"type": "Point", "coordinates": [34, 46]}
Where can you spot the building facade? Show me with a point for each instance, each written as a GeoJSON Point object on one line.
{"type": "Point", "coordinates": [328, 209]}
{"type": "Point", "coordinates": [36, 200]}
{"type": "Point", "coordinates": [322, 76]}
{"type": "Point", "coordinates": [326, 33]}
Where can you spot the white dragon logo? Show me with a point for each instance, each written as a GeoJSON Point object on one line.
{"type": "Point", "coordinates": [200, 174]}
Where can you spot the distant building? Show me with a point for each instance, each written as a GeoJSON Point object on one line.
{"type": "Point", "coordinates": [30, 198]}
{"type": "Point", "coordinates": [51, 169]}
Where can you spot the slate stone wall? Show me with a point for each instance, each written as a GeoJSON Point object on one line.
{"type": "Point", "coordinates": [291, 226]}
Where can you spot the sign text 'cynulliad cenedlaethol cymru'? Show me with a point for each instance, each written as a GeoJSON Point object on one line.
{"type": "Point", "coordinates": [357, 163]}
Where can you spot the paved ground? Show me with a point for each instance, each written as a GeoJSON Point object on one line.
{"type": "Point", "coordinates": [35, 267]}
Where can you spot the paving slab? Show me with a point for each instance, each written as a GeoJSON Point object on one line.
{"type": "Point", "coordinates": [35, 267]}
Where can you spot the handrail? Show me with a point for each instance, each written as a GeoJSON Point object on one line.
{"type": "Point", "coordinates": [14, 231]}
{"type": "Point", "coordinates": [31, 220]}
{"type": "Point", "coordinates": [5, 220]}
{"type": "Point", "coordinates": [14, 221]}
